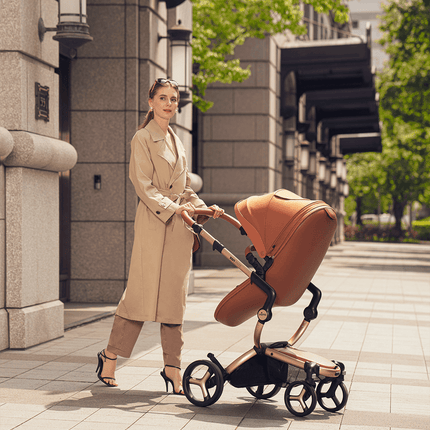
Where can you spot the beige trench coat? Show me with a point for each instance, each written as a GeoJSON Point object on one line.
{"type": "Point", "coordinates": [161, 257]}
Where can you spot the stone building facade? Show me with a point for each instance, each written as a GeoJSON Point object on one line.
{"type": "Point", "coordinates": [66, 204]}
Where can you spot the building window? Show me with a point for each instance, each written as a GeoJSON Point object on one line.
{"type": "Point", "coordinates": [315, 26]}
{"type": "Point", "coordinates": [354, 24]}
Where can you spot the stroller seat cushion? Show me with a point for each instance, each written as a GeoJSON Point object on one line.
{"type": "Point", "coordinates": [297, 233]}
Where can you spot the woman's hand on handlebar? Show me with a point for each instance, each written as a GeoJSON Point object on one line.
{"type": "Point", "coordinates": [189, 207]}
{"type": "Point", "coordinates": [217, 211]}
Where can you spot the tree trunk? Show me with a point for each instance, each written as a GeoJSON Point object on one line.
{"type": "Point", "coordinates": [398, 209]}
{"type": "Point", "coordinates": [358, 210]}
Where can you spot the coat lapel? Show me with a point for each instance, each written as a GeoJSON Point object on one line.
{"type": "Point", "coordinates": [181, 161]}
{"type": "Point", "coordinates": [157, 136]}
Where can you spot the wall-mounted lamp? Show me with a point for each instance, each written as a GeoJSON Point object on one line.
{"type": "Point", "coordinates": [346, 189]}
{"type": "Point", "coordinates": [304, 155]}
{"type": "Point", "coordinates": [321, 169]}
{"type": "Point", "coordinates": [289, 146]}
{"type": "Point", "coordinates": [339, 167]}
{"type": "Point", "coordinates": [333, 177]}
{"type": "Point", "coordinates": [97, 182]}
{"type": "Point", "coordinates": [344, 171]}
{"type": "Point", "coordinates": [182, 60]}
{"type": "Point", "coordinates": [312, 163]}
{"type": "Point", "coordinates": [72, 28]}
{"type": "Point", "coordinates": [327, 172]}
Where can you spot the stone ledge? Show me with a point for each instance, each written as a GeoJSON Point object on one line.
{"type": "Point", "coordinates": [35, 324]}
{"type": "Point", "coordinates": [40, 152]}
{"type": "Point", "coordinates": [4, 330]}
{"type": "Point", "coordinates": [6, 142]}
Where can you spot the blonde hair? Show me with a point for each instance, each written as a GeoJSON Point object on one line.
{"type": "Point", "coordinates": [152, 92]}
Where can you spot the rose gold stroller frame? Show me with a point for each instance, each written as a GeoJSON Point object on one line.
{"type": "Point", "coordinates": [301, 396]}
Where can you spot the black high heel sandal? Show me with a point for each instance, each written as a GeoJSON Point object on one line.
{"type": "Point", "coordinates": [102, 355]}
{"type": "Point", "coordinates": [167, 380]}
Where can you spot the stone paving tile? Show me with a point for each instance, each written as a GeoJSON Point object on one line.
{"type": "Point", "coordinates": [14, 364]}
{"type": "Point", "coordinates": [115, 415]}
{"type": "Point", "coordinates": [157, 421]}
{"type": "Point", "coordinates": [24, 384]}
{"type": "Point", "coordinates": [8, 423]}
{"type": "Point", "coordinates": [37, 423]}
{"type": "Point", "coordinates": [10, 373]}
{"type": "Point", "coordinates": [101, 426]}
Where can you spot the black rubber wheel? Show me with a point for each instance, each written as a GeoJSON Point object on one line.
{"type": "Point", "coordinates": [264, 391]}
{"type": "Point", "coordinates": [203, 383]}
{"type": "Point", "coordinates": [300, 398]}
{"type": "Point", "coordinates": [332, 395]}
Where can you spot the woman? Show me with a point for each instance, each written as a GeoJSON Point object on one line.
{"type": "Point", "coordinates": [162, 250]}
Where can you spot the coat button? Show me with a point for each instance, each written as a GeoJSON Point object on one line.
{"type": "Point", "coordinates": [158, 212]}
{"type": "Point", "coordinates": [171, 186]}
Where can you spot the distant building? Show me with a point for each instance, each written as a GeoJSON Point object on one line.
{"type": "Point", "coordinates": [363, 12]}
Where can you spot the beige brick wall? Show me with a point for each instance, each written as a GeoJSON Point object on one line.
{"type": "Point", "coordinates": [240, 148]}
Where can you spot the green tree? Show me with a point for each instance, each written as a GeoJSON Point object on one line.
{"type": "Point", "coordinates": [404, 88]}
{"type": "Point", "coordinates": [366, 177]}
{"type": "Point", "coordinates": [221, 25]}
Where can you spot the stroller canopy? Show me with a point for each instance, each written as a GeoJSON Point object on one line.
{"type": "Point", "coordinates": [267, 219]}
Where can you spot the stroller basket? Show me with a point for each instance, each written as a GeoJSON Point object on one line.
{"type": "Point", "coordinates": [259, 370]}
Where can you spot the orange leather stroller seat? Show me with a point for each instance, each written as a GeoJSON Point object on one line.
{"type": "Point", "coordinates": [296, 233]}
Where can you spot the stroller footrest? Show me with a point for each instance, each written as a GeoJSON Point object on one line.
{"type": "Point", "coordinates": [299, 358]}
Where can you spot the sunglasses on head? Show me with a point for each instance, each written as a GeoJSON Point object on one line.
{"type": "Point", "coordinates": [166, 81]}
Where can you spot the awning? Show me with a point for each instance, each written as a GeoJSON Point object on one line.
{"type": "Point", "coordinates": [343, 102]}
{"type": "Point", "coordinates": [360, 142]}
{"type": "Point", "coordinates": [336, 76]}
{"type": "Point", "coordinates": [346, 125]}
{"type": "Point", "coordinates": [328, 64]}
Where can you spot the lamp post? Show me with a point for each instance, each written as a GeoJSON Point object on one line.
{"type": "Point", "coordinates": [72, 28]}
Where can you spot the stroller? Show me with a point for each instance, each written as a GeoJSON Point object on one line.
{"type": "Point", "coordinates": [291, 236]}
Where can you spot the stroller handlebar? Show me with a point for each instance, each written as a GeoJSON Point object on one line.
{"type": "Point", "coordinates": [209, 212]}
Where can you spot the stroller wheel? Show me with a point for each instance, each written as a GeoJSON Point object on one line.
{"type": "Point", "coordinates": [332, 395]}
{"type": "Point", "coordinates": [264, 391]}
{"type": "Point", "coordinates": [300, 398]}
{"type": "Point", "coordinates": [203, 383]}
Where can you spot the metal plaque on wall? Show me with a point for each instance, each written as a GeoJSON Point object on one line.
{"type": "Point", "coordinates": [42, 102]}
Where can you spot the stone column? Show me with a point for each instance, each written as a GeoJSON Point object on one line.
{"type": "Point", "coordinates": [32, 237]}
{"type": "Point", "coordinates": [6, 146]}
{"type": "Point", "coordinates": [29, 176]}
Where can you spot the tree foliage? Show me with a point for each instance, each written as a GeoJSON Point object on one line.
{"type": "Point", "coordinates": [404, 88]}
{"type": "Point", "coordinates": [221, 25]}
{"type": "Point", "coordinates": [366, 176]}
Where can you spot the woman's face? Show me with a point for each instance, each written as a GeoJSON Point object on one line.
{"type": "Point", "coordinates": [165, 102]}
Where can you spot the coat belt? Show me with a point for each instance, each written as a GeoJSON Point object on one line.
{"type": "Point", "coordinates": [176, 198]}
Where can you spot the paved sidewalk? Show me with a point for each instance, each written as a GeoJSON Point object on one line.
{"type": "Point", "coordinates": [374, 316]}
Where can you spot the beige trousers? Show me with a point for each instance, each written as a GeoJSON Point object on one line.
{"type": "Point", "coordinates": [125, 332]}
